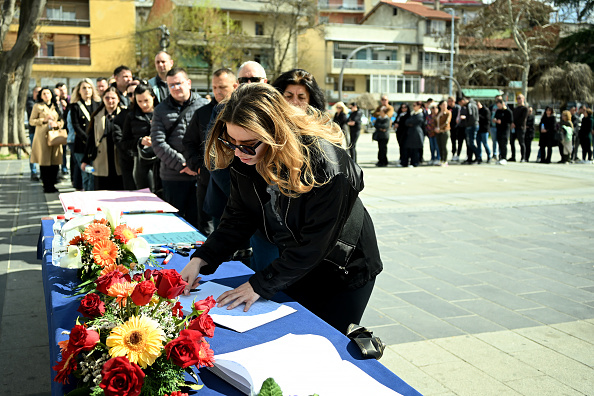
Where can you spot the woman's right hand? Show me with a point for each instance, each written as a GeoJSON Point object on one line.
{"type": "Point", "coordinates": [190, 274]}
{"type": "Point", "coordinates": [146, 141]}
{"type": "Point", "coordinates": [83, 166]}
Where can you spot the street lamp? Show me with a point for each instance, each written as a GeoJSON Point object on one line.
{"type": "Point", "coordinates": [353, 52]}
{"type": "Point", "coordinates": [457, 84]}
{"type": "Point", "coordinates": [452, 50]}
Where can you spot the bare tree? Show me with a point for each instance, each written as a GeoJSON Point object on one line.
{"type": "Point", "coordinates": [287, 19]}
{"type": "Point", "coordinates": [15, 67]}
{"type": "Point", "coordinates": [565, 83]}
{"type": "Point", "coordinates": [508, 35]}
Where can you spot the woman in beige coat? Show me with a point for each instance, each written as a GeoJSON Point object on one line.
{"type": "Point", "coordinates": [43, 117]}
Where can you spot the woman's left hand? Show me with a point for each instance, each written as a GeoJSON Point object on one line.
{"type": "Point", "coordinates": [243, 294]}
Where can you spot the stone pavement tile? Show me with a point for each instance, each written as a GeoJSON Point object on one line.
{"type": "Point", "coordinates": [403, 272]}
{"type": "Point", "coordinates": [388, 282]}
{"type": "Point", "coordinates": [449, 276]}
{"type": "Point", "coordinates": [376, 317]}
{"type": "Point", "coordinates": [381, 299]}
{"type": "Point", "coordinates": [411, 374]}
{"type": "Point", "coordinates": [24, 300]}
{"type": "Point", "coordinates": [442, 289]}
{"type": "Point", "coordinates": [498, 314]}
{"type": "Point", "coordinates": [432, 304]}
{"type": "Point", "coordinates": [514, 286]}
{"type": "Point", "coordinates": [394, 334]}
{"type": "Point", "coordinates": [421, 322]}
{"type": "Point", "coordinates": [474, 324]}
{"type": "Point", "coordinates": [582, 329]}
{"type": "Point", "coordinates": [561, 342]}
{"type": "Point", "coordinates": [562, 304]}
{"type": "Point", "coordinates": [424, 353]}
{"type": "Point", "coordinates": [466, 380]}
{"type": "Point", "coordinates": [30, 365]}
{"type": "Point", "coordinates": [23, 329]}
{"type": "Point", "coordinates": [508, 341]}
{"type": "Point", "coordinates": [542, 386]}
{"type": "Point", "coordinates": [560, 367]}
{"type": "Point", "coordinates": [501, 297]}
{"type": "Point", "coordinates": [501, 264]}
{"type": "Point", "coordinates": [557, 286]}
{"type": "Point", "coordinates": [487, 358]}
{"type": "Point", "coordinates": [546, 315]}
{"type": "Point", "coordinates": [563, 276]}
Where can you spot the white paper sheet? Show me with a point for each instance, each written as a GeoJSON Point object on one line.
{"type": "Point", "coordinates": [303, 364]}
{"type": "Point", "coordinates": [117, 201]}
{"type": "Point", "coordinates": [261, 312]}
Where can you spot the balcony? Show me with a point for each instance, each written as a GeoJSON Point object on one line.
{"type": "Point", "coordinates": [340, 7]}
{"type": "Point", "coordinates": [65, 22]}
{"type": "Point", "coordinates": [367, 64]}
{"type": "Point", "coordinates": [61, 60]}
{"type": "Point", "coordinates": [435, 66]}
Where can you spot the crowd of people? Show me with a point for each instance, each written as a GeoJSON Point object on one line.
{"type": "Point", "coordinates": [470, 122]}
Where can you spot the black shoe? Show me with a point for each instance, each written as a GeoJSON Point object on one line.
{"type": "Point", "coordinates": [511, 160]}
{"type": "Point", "coordinates": [51, 190]}
{"type": "Point", "coordinates": [34, 177]}
{"type": "Point", "coordinates": [381, 164]}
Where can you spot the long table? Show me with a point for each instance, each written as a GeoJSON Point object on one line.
{"type": "Point", "coordinates": [58, 284]}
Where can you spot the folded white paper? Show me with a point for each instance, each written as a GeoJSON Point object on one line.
{"type": "Point", "coordinates": [261, 312]}
{"type": "Point", "coordinates": [304, 364]}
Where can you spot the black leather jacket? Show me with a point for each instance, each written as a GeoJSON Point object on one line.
{"type": "Point", "coordinates": [308, 230]}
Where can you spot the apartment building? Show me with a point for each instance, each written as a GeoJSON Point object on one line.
{"type": "Point", "coordinates": [81, 38]}
{"type": "Point", "coordinates": [406, 51]}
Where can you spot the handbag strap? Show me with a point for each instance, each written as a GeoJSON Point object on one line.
{"type": "Point", "coordinates": [177, 121]}
{"type": "Point", "coordinates": [83, 108]}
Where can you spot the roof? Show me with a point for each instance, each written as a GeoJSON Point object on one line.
{"type": "Point", "coordinates": [415, 8]}
{"type": "Point", "coordinates": [450, 3]}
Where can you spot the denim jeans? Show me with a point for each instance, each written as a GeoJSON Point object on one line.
{"type": "Point", "coordinates": [88, 180]}
{"type": "Point", "coordinates": [483, 140]}
{"type": "Point", "coordinates": [434, 149]}
{"type": "Point", "coordinates": [471, 132]}
{"type": "Point", "coordinates": [34, 168]}
{"type": "Point", "coordinates": [494, 139]}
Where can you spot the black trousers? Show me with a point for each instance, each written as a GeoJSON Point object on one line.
{"type": "Point", "coordinates": [353, 147]}
{"type": "Point", "coordinates": [502, 140]}
{"type": "Point", "coordinates": [546, 158]}
{"type": "Point", "coordinates": [205, 223]}
{"type": "Point", "coordinates": [528, 143]}
{"type": "Point", "coordinates": [49, 177]}
{"type": "Point", "coordinates": [127, 168]}
{"type": "Point", "coordinates": [382, 151]}
{"type": "Point", "coordinates": [458, 137]}
{"type": "Point", "coordinates": [586, 147]}
{"type": "Point", "coordinates": [520, 136]}
{"type": "Point", "coordinates": [182, 195]}
{"type": "Point", "coordinates": [412, 157]}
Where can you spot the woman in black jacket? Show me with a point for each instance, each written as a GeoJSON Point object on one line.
{"type": "Point", "coordinates": [136, 136]}
{"type": "Point", "coordinates": [401, 129]}
{"type": "Point", "coordinates": [548, 126]}
{"type": "Point", "coordinates": [85, 101]}
{"type": "Point", "coordinates": [291, 180]}
{"type": "Point", "coordinates": [585, 136]}
{"type": "Point", "coordinates": [414, 135]}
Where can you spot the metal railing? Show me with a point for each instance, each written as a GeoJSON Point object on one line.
{"type": "Point", "coordinates": [368, 64]}
{"type": "Point", "coordinates": [65, 22]}
{"type": "Point", "coordinates": [434, 65]}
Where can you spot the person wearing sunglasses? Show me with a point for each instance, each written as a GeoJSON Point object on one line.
{"type": "Point", "coordinates": [292, 180]}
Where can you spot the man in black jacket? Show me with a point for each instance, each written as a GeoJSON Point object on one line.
{"type": "Point", "coordinates": [223, 83]}
{"type": "Point", "coordinates": [519, 125]}
{"type": "Point", "coordinates": [168, 128]}
{"type": "Point", "coordinates": [354, 123]}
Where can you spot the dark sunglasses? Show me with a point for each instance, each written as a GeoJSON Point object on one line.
{"type": "Point", "coordinates": [243, 80]}
{"type": "Point", "coordinates": [249, 150]}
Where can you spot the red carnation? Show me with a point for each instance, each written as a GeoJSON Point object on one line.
{"type": "Point", "coordinates": [64, 367]}
{"type": "Point", "coordinates": [119, 377]}
{"type": "Point", "coordinates": [143, 292]}
{"type": "Point", "coordinates": [177, 310]}
{"type": "Point", "coordinates": [91, 306]}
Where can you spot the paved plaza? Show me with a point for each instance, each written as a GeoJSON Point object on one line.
{"type": "Point", "coordinates": [488, 286]}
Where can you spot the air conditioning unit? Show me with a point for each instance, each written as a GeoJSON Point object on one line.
{"type": "Point", "coordinates": [329, 80]}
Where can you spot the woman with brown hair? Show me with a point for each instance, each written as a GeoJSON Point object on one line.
{"type": "Point", "coordinates": [44, 117]}
{"type": "Point", "coordinates": [291, 180]}
{"type": "Point", "coordinates": [442, 131]}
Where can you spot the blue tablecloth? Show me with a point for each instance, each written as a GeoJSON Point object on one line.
{"type": "Point", "coordinates": [61, 316]}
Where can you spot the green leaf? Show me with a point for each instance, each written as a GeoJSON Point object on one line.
{"type": "Point", "coordinates": [270, 388]}
{"type": "Point", "coordinates": [80, 392]}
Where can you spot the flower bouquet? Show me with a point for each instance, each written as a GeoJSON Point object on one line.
{"type": "Point", "coordinates": [132, 337]}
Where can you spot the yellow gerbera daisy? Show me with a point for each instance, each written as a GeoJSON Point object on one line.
{"type": "Point", "coordinates": [140, 339]}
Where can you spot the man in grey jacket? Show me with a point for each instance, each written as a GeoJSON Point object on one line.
{"type": "Point", "coordinates": [168, 128]}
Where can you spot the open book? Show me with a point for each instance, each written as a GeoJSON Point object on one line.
{"type": "Point", "coordinates": [301, 365]}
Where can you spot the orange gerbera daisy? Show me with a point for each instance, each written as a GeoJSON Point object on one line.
{"type": "Point", "coordinates": [121, 291]}
{"type": "Point", "coordinates": [100, 221]}
{"type": "Point", "coordinates": [124, 233]}
{"type": "Point", "coordinates": [105, 253]}
{"type": "Point", "coordinates": [63, 345]}
{"type": "Point", "coordinates": [113, 267]}
{"type": "Point", "coordinates": [96, 232]}
{"type": "Point", "coordinates": [76, 240]}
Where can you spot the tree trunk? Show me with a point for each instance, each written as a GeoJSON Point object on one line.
{"type": "Point", "coordinates": [15, 71]}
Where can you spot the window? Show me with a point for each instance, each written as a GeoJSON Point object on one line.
{"type": "Point", "coordinates": [61, 12]}
{"type": "Point", "coordinates": [395, 11]}
{"type": "Point", "coordinates": [408, 58]}
{"type": "Point", "coordinates": [428, 26]}
{"type": "Point", "coordinates": [50, 48]}
{"type": "Point", "coordinates": [386, 84]}
{"type": "Point", "coordinates": [259, 29]}
{"type": "Point", "coordinates": [347, 85]}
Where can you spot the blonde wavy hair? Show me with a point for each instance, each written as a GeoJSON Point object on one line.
{"type": "Point", "coordinates": [566, 116]}
{"type": "Point", "coordinates": [293, 137]}
{"type": "Point", "coordinates": [76, 94]}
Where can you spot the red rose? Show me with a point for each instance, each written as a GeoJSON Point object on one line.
{"type": "Point", "coordinates": [203, 324]}
{"type": "Point", "coordinates": [206, 356]}
{"type": "Point", "coordinates": [119, 377]}
{"type": "Point", "coordinates": [104, 282]}
{"type": "Point", "coordinates": [205, 305]}
{"type": "Point", "coordinates": [184, 351]}
{"type": "Point", "coordinates": [91, 306]}
{"type": "Point", "coordinates": [177, 310]}
{"type": "Point", "coordinates": [149, 273]}
{"type": "Point", "coordinates": [169, 283]}
{"type": "Point", "coordinates": [137, 278]}
{"type": "Point", "coordinates": [177, 393]}
{"type": "Point", "coordinates": [143, 292]}
{"type": "Point", "coordinates": [82, 339]}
